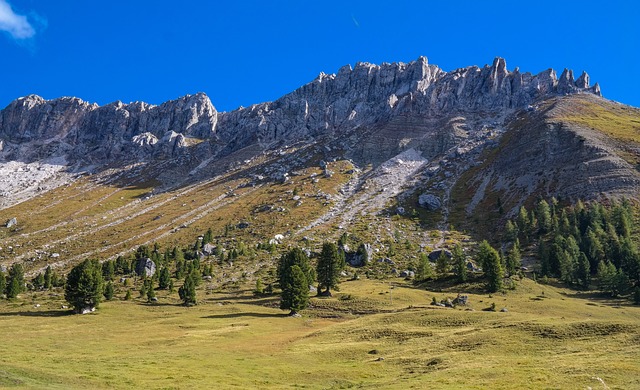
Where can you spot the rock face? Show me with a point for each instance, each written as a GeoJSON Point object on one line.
{"type": "Point", "coordinates": [364, 96]}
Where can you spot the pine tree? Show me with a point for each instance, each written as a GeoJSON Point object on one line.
{"type": "Point", "coordinates": [85, 286]}
{"type": "Point", "coordinates": [127, 296]}
{"type": "Point", "coordinates": [543, 214]}
{"type": "Point", "coordinates": [328, 268]}
{"type": "Point", "coordinates": [459, 263]}
{"type": "Point", "coordinates": [15, 281]}
{"type": "Point", "coordinates": [164, 278]}
{"type": "Point", "coordinates": [3, 282]}
{"type": "Point", "coordinates": [424, 270]}
{"type": "Point", "coordinates": [522, 222]}
{"type": "Point", "coordinates": [510, 232]}
{"type": "Point", "coordinates": [108, 270]}
{"type": "Point", "coordinates": [491, 266]}
{"type": "Point", "coordinates": [514, 259]}
{"type": "Point", "coordinates": [583, 271]}
{"type": "Point", "coordinates": [295, 256]}
{"type": "Point", "coordinates": [442, 265]}
{"type": "Point", "coordinates": [295, 292]}
{"type": "Point", "coordinates": [48, 280]}
{"type": "Point", "coordinates": [151, 293]}
{"type": "Point", "coordinates": [188, 291]}
{"type": "Point", "coordinates": [636, 296]}
{"type": "Point", "coordinates": [108, 291]}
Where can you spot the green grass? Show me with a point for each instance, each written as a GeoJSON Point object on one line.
{"type": "Point", "coordinates": [549, 338]}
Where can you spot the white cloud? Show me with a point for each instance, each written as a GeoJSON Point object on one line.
{"type": "Point", "coordinates": [16, 25]}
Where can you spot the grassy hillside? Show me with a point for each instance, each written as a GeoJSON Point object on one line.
{"type": "Point", "coordinates": [549, 338]}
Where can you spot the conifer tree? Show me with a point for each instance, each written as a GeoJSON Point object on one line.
{"type": "Point", "coordinates": [295, 292]}
{"type": "Point", "coordinates": [295, 256]}
{"type": "Point", "coordinates": [491, 266]}
{"type": "Point", "coordinates": [164, 278]}
{"type": "Point", "coordinates": [514, 259]}
{"type": "Point", "coordinates": [48, 278]}
{"type": "Point", "coordinates": [85, 286]}
{"type": "Point", "coordinates": [328, 268]}
{"type": "Point", "coordinates": [543, 214]}
{"type": "Point", "coordinates": [151, 293]}
{"type": "Point", "coordinates": [583, 271]}
{"type": "Point", "coordinates": [15, 281]}
{"type": "Point", "coordinates": [108, 291]}
{"type": "Point", "coordinates": [3, 282]}
{"type": "Point", "coordinates": [442, 265]}
{"type": "Point", "coordinates": [188, 291]}
{"type": "Point", "coordinates": [424, 271]}
{"type": "Point", "coordinates": [459, 263]}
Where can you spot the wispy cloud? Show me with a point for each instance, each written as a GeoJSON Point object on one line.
{"type": "Point", "coordinates": [16, 25]}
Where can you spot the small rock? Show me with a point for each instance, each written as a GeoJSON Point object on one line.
{"type": "Point", "coordinates": [504, 310]}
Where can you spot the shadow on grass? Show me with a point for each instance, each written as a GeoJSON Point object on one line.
{"type": "Point", "coordinates": [43, 313]}
{"type": "Point", "coordinates": [240, 315]}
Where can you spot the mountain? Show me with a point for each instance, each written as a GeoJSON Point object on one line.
{"type": "Point", "coordinates": [366, 140]}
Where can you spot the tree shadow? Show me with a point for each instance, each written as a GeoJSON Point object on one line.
{"type": "Point", "coordinates": [43, 313]}
{"type": "Point", "coordinates": [245, 314]}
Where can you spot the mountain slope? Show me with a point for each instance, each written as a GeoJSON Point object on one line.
{"type": "Point", "coordinates": [348, 147]}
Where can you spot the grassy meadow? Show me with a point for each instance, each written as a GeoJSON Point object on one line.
{"type": "Point", "coordinates": [371, 334]}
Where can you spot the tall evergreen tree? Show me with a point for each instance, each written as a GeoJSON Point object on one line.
{"type": "Point", "coordinates": [188, 291]}
{"type": "Point", "coordinates": [424, 270]}
{"type": "Point", "coordinates": [459, 263]}
{"type": "Point", "coordinates": [543, 214]}
{"type": "Point", "coordinates": [295, 256]}
{"type": "Point", "coordinates": [514, 259]}
{"type": "Point", "coordinates": [442, 265]}
{"type": "Point", "coordinates": [583, 271]}
{"type": "Point", "coordinates": [48, 278]}
{"type": "Point", "coordinates": [328, 268]}
{"type": "Point", "coordinates": [15, 281]}
{"type": "Point", "coordinates": [85, 286]}
{"type": "Point", "coordinates": [491, 266]}
{"type": "Point", "coordinates": [164, 278]}
{"type": "Point", "coordinates": [108, 291]}
{"type": "Point", "coordinates": [295, 292]}
{"type": "Point", "coordinates": [3, 282]}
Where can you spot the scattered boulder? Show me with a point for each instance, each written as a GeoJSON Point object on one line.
{"type": "Point", "coordinates": [407, 274]}
{"type": "Point", "coordinates": [243, 225]}
{"type": "Point", "coordinates": [433, 256]}
{"type": "Point", "coordinates": [429, 202]}
{"type": "Point", "coordinates": [145, 267]}
{"type": "Point", "coordinates": [208, 249]}
{"type": "Point", "coordinates": [504, 310]}
{"type": "Point", "coordinates": [12, 222]}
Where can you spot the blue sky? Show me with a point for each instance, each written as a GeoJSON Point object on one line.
{"type": "Point", "coordinates": [245, 52]}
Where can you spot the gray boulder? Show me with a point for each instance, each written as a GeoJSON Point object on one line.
{"type": "Point", "coordinates": [429, 202]}
{"type": "Point", "coordinates": [12, 222]}
{"type": "Point", "coordinates": [145, 267]}
{"type": "Point", "coordinates": [433, 256]}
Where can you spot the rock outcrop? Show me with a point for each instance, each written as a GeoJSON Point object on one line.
{"type": "Point", "coordinates": [361, 97]}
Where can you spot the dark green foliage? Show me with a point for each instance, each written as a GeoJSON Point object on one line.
{"type": "Point", "coordinates": [48, 278]}
{"type": "Point", "coordinates": [514, 259]}
{"type": "Point", "coordinates": [85, 286]}
{"type": "Point", "coordinates": [636, 296]}
{"type": "Point", "coordinates": [15, 281]}
{"type": "Point", "coordinates": [295, 292]}
{"type": "Point", "coordinates": [164, 278]}
{"type": "Point", "coordinates": [329, 266]}
{"type": "Point", "coordinates": [3, 282]}
{"type": "Point", "coordinates": [424, 270]}
{"type": "Point", "coordinates": [442, 265]}
{"type": "Point", "coordinates": [543, 215]}
{"type": "Point", "coordinates": [459, 263]}
{"type": "Point", "coordinates": [151, 293]}
{"type": "Point", "coordinates": [297, 257]}
{"type": "Point", "coordinates": [188, 291]}
{"type": "Point", "coordinates": [108, 291]}
{"type": "Point", "coordinates": [127, 296]}
{"type": "Point", "coordinates": [583, 271]}
{"type": "Point", "coordinates": [108, 270]}
{"type": "Point", "coordinates": [491, 266]}
{"type": "Point", "coordinates": [38, 282]}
